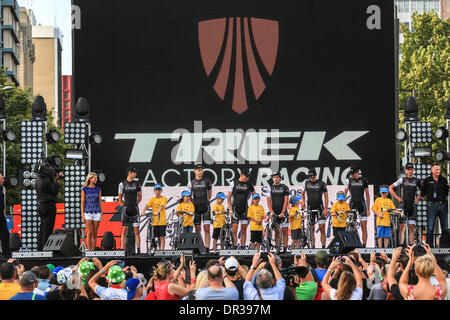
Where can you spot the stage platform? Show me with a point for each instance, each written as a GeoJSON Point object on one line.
{"type": "Point", "coordinates": [144, 262]}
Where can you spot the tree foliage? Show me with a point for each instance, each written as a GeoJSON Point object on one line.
{"type": "Point", "coordinates": [18, 108]}
{"type": "Point", "coordinates": [424, 68]}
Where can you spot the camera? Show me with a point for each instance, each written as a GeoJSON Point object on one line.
{"type": "Point", "coordinates": [419, 250]}
{"type": "Point", "coordinates": [264, 256]}
{"type": "Point", "coordinates": [120, 263]}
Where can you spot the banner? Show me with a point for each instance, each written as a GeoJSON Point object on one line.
{"type": "Point", "coordinates": [173, 194]}
{"type": "Point", "coordinates": [279, 85]}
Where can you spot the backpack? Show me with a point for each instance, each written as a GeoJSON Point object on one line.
{"type": "Point", "coordinates": [320, 290]}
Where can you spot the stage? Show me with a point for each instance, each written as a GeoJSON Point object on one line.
{"type": "Point", "coordinates": [144, 263]}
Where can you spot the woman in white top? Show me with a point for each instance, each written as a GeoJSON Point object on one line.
{"type": "Point", "coordinates": [350, 285]}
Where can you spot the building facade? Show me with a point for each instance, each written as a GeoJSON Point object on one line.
{"type": "Point", "coordinates": [10, 39]}
{"type": "Point", "coordinates": [26, 49]}
{"type": "Point", "coordinates": [66, 103]}
{"type": "Point", "coordinates": [47, 68]}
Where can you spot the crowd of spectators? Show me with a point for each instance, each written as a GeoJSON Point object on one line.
{"type": "Point", "coordinates": [411, 273]}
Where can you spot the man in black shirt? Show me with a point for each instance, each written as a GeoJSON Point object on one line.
{"type": "Point", "coordinates": [201, 190]}
{"type": "Point", "coordinates": [130, 195]}
{"type": "Point", "coordinates": [47, 196]}
{"type": "Point", "coordinates": [435, 192]}
{"type": "Point", "coordinates": [409, 186]}
{"type": "Point", "coordinates": [359, 187]}
{"type": "Point", "coordinates": [238, 194]}
{"type": "Point", "coordinates": [277, 202]}
{"type": "Point", "coordinates": [314, 190]}
{"type": "Point", "coordinates": [4, 232]}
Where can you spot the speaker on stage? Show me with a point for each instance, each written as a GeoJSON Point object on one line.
{"type": "Point", "coordinates": [191, 241]}
{"type": "Point", "coordinates": [14, 242]}
{"type": "Point", "coordinates": [62, 246]}
{"type": "Point", "coordinates": [344, 242]}
{"type": "Point", "coordinates": [444, 241]}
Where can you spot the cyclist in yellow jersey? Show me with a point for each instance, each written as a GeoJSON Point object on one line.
{"type": "Point", "coordinates": [383, 218]}
{"type": "Point", "coordinates": [256, 216]}
{"type": "Point", "coordinates": [338, 213]}
{"type": "Point", "coordinates": [186, 209]}
{"type": "Point", "coordinates": [158, 205]}
{"type": "Point", "coordinates": [219, 220]}
{"type": "Point", "coordinates": [295, 220]}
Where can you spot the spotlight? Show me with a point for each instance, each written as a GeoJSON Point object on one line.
{"type": "Point", "coordinates": [441, 133]}
{"type": "Point", "coordinates": [74, 154]}
{"type": "Point", "coordinates": [447, 115]}
{"type": "Point", "coordinates": [442, 156]}
{"type": "Point", "coordinates": [39, 109]}
{"type": "Point", "coordinates": [421, 152]}
{"type": "Point", "coordinates": [108, 242]}
{"type": "Point", "coordinates": [53, 136]}
{"type": "Point", "coordinates": [82, 110]}
{"type": "Point", "coordinates": [411, 109]}
{"type": "Point", "coordinates": [9, 135]}
{"type": "Point", "coordinates": [11, 181]}
{"type": "Point", "coordinates": [401, 135]}
{"type": "Point", "coordinates": [101, 176]}
{"type": "Point", "coordinates": [95, 138]}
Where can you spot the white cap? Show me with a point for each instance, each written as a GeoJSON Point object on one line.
{"type": "Point", "coordinates": [231, 264]}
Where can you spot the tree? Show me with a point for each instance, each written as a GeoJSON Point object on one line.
{"type": "Point", "coordinates": [18, 108]}
{"type": "Point", "coordinates": [425, 68]}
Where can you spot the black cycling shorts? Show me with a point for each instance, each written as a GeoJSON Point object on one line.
{"type": "Point", "coordinates": [361, 207]}
{"type": "Point", "coordinates": [239, 216]}
{"type": "Point", "coordinates": [159, 231]}
{"type": "Point", "coordinates": [216, 233]}
{"type": "Point", "coordinates": [127, 220]}
{"type": "Point", "coordinates": [410, 210]}
{"type": "Point", "coordinates": [296, 234]}
{"type": "Point", "coordinates": [256, 236]}
{"type": "Point", "coordinates": [317, 217]}
{"type": "Point", "coordinates": [202, 210]}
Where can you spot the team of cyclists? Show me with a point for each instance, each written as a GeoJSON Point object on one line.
{"type": "Point", "coordinates": [194, 208]}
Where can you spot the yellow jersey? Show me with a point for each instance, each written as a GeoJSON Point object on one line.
{"type": "Point", "coordinates": [188, 220]}
{"type": "Point", "coordinates": [384, 204]}
{"type": "Point", "coordinates": [219, 220]}
{"type": "Point", "coordinates": [7, 290]}
{"type": "Point", "coordinates": [257, 213]}
{"type": "Point", "coordinates": [295, 220]}
{"type": "Point", "coordinates": [155, 204]}
{"type": "Point", "coordinates": [337, 208]}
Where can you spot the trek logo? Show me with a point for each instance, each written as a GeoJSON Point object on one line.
{"type": "Point", "coordinates": [232, 40]}
{"type": "Point", "coordinates": [236, 146]}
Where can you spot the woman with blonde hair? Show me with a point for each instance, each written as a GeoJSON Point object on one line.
{"type": "Point", "coordinates": [350, 285]}
{"type": "Point", "coordinates": [425, 267]}
{"type": "Point", "coordinates": [91, 209]}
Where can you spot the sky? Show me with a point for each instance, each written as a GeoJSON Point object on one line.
{"type": "Point", "coordinates": [55, 13]}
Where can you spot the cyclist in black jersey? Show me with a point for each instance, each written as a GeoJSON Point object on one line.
{"type": "Point", "coordinates": [315, 189]}
{"type": "Point", "coordinates": [277, 202]}
{"type": "Point", "coordinates": [201, 190]}
{"type": "Point", "coordinates": [358, 187]}
{"type": "Point", "coordinates": [238, 194]}
{"type": "Point", "coordinates": [409, 187]}
{"type": "Point", "coordinates": [130, 195]}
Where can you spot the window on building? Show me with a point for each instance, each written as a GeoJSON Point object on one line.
{"type": "Point", "coordinates": [403, 6]}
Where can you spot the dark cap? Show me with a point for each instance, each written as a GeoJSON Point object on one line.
{"type": "Point", "coordinates": [278, 173]}
{"type": "Point", "coordinates": [245, 172]}
{"type": "Point", "coordinates": [28, 278]}
{"type": "Point", "coordinates": [132, 169]}
{"type": "Point", "coordinates": [312, 172]}
{"type": "Point", "coordinates": [354, 169]}
{"type": "Point", "coordinates": [198, 166]}
{"type": "Point", "coordinates": [409, 165]}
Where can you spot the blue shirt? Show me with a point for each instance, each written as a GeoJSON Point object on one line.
{"type": "Point", "coordinates": [221, 294]}
{"type": "Point", "coordinates": [320, 273]}
{"type": "Point", "coordinates": [27, 296]}
{"type": "Point", "coordinates": [91, 200]}
{"type": "Point", "coordinates": [273, 293]}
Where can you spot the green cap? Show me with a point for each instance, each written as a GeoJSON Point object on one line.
{"type": "Point", "coordinates": [85, 267]}
{"type": "Point", "coordinates": [115, 275]}
{"type": "Point", "coordinates": [321, 255]}
{"type": "Point", "coordinates": [51, 267]}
